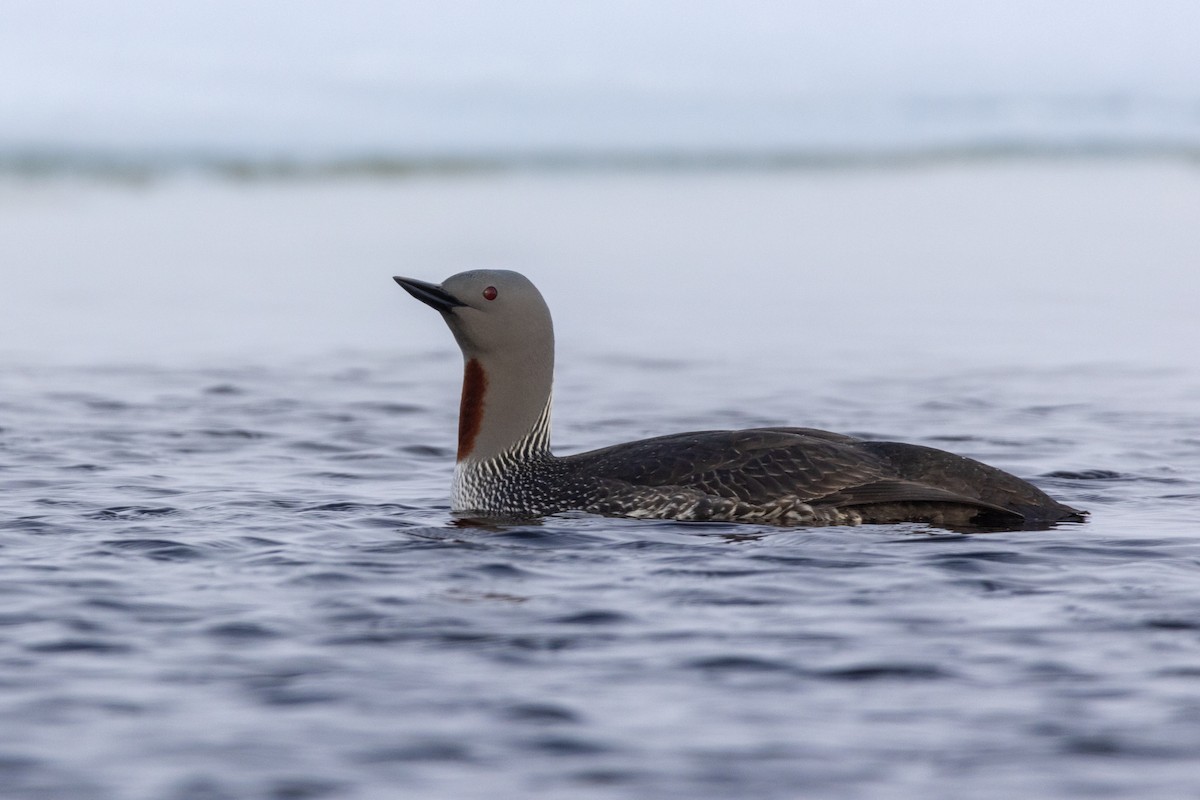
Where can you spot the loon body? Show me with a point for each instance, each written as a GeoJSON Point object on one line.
{"type": "Point", "coordinates": [785, 476]}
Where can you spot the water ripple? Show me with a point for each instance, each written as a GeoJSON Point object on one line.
{"type": "Point", "coordinates": [247, 583]}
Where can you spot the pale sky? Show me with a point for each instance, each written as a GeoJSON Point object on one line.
{"type": "Point", "coordinates": [373, 74]}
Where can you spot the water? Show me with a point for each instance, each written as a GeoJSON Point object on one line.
{"type": "Point", "coordinates": [806, 270]}
{"type": "Point", "coordinates": [245, 583]}
{"type": "Point", "coordinates": [227, 563]}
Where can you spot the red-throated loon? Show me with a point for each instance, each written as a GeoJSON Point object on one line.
{"type": "Point", "coordinates": [783, 476]}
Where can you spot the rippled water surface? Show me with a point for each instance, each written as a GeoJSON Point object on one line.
{"type": "Point", "coordinates": [244, 583]}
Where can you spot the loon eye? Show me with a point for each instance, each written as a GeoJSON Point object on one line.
{"type": "Point", "coordinates": [489, 293]}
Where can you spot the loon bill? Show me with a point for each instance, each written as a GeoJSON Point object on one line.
{"type": "Point", "coordinates": [784, 476]}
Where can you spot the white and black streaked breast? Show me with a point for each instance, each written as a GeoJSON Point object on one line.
{"type": "Point", "coordinates": [533, 486]}
{"type": "Point", "coordinates": [524, 480]}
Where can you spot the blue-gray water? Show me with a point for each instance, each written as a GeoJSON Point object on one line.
{"type": "Point", "coordinates": [245, 583]}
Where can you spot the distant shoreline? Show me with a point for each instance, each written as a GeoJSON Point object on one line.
{"type": "Point", "coordinates": [134, 166]}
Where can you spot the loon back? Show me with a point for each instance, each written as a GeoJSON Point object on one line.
{"type": "Point", "coordinates": [788, 474]}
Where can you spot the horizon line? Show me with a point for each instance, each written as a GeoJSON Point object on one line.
{"type": "Point", "coordinates": [148, 164]}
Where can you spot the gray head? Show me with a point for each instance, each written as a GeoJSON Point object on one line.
{"type": "Point", "coordinates": [489, 310]}
{"type": "Point", "coordinates": [503, 327]}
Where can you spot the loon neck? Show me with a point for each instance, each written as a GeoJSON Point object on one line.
{"type": "Point", "coordinates": [504, 413]}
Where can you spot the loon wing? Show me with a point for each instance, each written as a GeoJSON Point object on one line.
{"type": "Point", "coordinates": [761, 465]}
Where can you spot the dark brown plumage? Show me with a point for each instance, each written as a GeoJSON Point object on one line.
{"type": "Point", "coordinates": [841, 478]}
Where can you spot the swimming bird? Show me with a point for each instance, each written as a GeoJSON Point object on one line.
{"type": "Point", "coordinates": [776, 475]}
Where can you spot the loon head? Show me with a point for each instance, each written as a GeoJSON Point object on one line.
{"type": "Point", "coordinates": [503, 327]}
{"type": "Point", "coordinates": [490, 311]}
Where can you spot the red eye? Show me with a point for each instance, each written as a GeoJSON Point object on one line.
{"type": "Point", "coordinates": [489, 293]}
